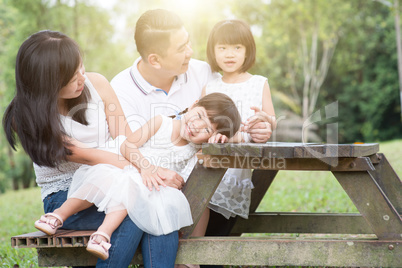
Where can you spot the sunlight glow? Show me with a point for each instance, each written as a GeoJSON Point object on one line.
{"type": "Point", "coordinates": [185, 6]}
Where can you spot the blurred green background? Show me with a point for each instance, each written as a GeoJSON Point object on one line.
{"type": "Point", "coordinates": [316, 54]}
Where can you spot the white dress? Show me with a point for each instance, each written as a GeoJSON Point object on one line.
{"type": "Point", "coordinates": [111, 188]}
{"type": "Point", "coordinates": [233, 195]}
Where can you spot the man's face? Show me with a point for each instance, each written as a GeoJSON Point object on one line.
{"type": "Point", "coordinates": [178, 54]}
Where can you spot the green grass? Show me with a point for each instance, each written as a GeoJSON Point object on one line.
{"type": "Point", "coordinates": [19, 210]}
{"type": "Point", "coordinates": [291, 191]}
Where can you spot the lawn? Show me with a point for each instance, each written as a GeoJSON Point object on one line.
{"type": "Point", "coordinates": [290, 191]}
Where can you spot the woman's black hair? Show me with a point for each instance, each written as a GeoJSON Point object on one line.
{"type": "Point", "coordinates": [46, 62]}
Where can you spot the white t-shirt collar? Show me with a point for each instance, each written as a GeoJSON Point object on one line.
{"type": "Point", "coordinates": [146, 87]}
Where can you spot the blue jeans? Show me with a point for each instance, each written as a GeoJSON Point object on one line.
{"type": "Point", "coordinates": [157, 251]}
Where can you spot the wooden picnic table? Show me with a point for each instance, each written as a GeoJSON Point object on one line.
{"type": "Point", "coordinates": [370, 238]}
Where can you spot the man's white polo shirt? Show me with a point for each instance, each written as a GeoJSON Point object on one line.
{"type": "Point", "coordinates": [141, 101]}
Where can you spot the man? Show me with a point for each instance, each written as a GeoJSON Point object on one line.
{"type": "Point", "coordinates": [165, 80]}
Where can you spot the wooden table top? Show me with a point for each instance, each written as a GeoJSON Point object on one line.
{"type": "Point", "coordinates": [290, 150]}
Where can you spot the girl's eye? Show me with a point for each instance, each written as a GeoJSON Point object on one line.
{"type": "Point", "coordinates": [199, 115]}
{"type": "Point", "coordinates": [207, 130]}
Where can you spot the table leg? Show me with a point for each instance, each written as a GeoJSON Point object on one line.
{"type": "Point", "coordinates": [262, 180]}
{"type": "Point", "coordinates": [372, 203]}
{"type": "Point", "coordinates": [389, 182]}
{"type": "Point", "coordinates": [199, 188]}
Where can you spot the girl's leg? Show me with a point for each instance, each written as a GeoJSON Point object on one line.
{"type": "Point", "coordinates": [125, 241]}
{"type": "Point", "coordinates": [72, 206]}
{"type": "Point", "coordinates": [88, 219]}
{"type": "Point", "coordinates": [99, 242]}
{"type": "Point", "coordinates": [110, 223]}
{"type": "Point", "coordinates": [202, 224]}
{"type": "Point", "coordinates": [50, 222]}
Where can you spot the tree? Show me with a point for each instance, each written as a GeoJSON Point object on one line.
{"type": "Point", "coordinates": [364, 76]}
{"type": "Point", "coordinates": [303, 36]}
{"type": "Point", "coordinates": [399, 47]}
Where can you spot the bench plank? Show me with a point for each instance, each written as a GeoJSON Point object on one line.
{"type": "Point", "coordinates": [296, 252]}
{"type": "Point", "coordinates": [258, 251]}
{"type": "Point", "coordinates": [296, 222]}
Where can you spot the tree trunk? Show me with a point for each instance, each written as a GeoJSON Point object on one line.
{"type": "Point", "coordinates": [399, 48]}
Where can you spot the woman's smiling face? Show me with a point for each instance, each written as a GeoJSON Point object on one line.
{"type": "Point", "coordinates": [75, 87]}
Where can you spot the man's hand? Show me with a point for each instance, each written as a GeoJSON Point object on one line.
{"type": "Point", "coordinates": [171, 178]}
{"type": "Point", "coordinates": [260, 132]}
{"type": "Point", "coordinates": [258, 126]}
{"type": "Point", "coordinates": [154, 176]}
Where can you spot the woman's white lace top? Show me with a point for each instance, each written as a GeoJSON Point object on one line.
{"type": "Point", "coordinates": [95, 134]}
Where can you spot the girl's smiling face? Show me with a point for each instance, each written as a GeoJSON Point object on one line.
{"type": "Point", "coordinates": [230, 58]}
{"type": "Point", "coordinates": [196, 126]}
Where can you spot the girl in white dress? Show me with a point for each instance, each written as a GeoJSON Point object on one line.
{"type": "Point", "coordinates": [231, 50]}
{"type": "Point", "coordinates": [161, 146]}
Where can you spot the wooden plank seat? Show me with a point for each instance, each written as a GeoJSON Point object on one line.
{"type": "Point", "coordinates": [370, 238]}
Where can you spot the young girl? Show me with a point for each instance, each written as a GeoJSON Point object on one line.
{"type": "Point", "coordinates": [231, 50]}
{"type": "Point", "coordinates": [161, 145]}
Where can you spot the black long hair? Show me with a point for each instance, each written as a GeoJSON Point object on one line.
{"type": "Point", "coordinates": [46, 62]}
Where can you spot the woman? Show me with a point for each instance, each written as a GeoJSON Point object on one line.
{"type": "Point", "coordinates": [60, 116]}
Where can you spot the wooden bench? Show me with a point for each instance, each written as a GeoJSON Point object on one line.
{"type": "Point", "coordinates": [370, 238]}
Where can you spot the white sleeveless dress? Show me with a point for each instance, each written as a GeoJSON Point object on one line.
{"type": "Point", "coordinates": [233, 195]}
{"type": "Point", "coordinates": [111, 188]}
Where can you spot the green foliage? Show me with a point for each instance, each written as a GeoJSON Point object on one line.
{"type": "Point", "coordinates": [364, 77]}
